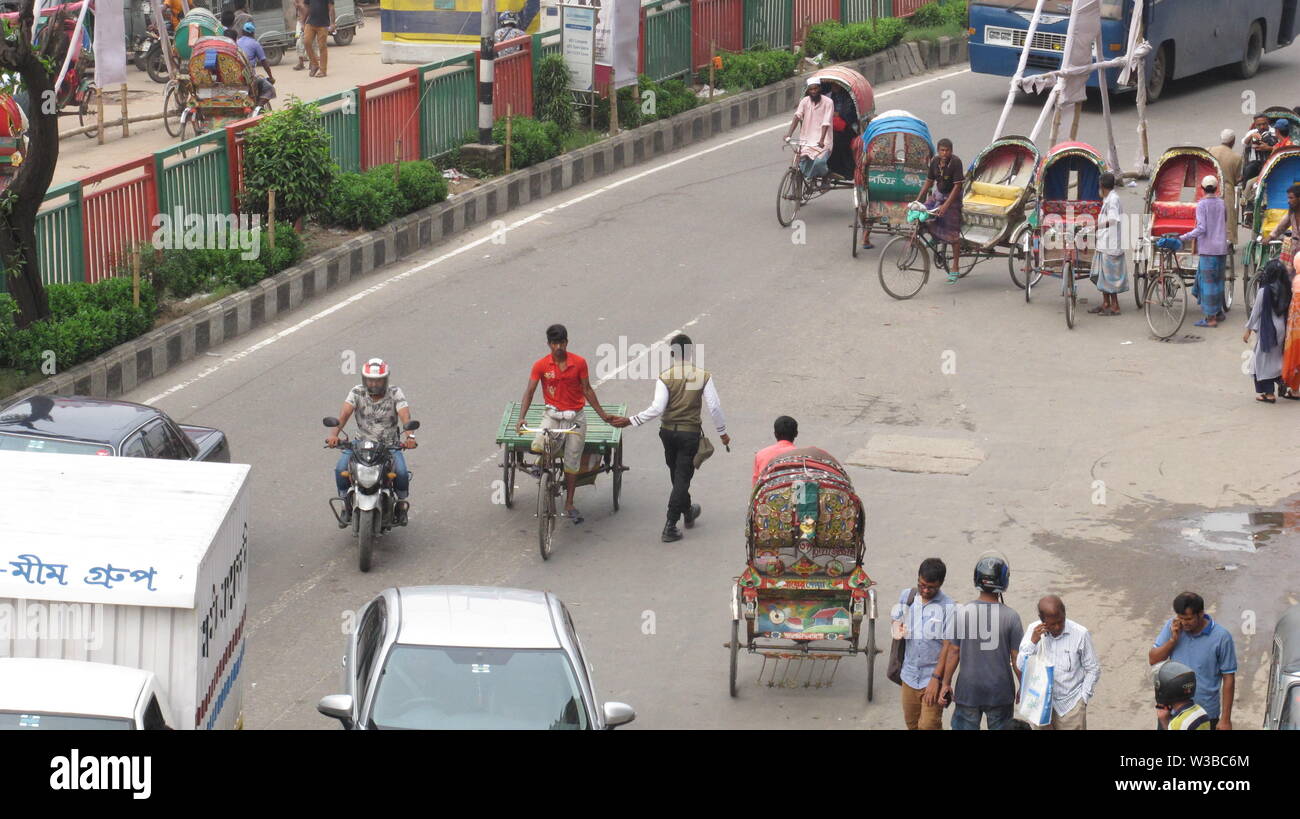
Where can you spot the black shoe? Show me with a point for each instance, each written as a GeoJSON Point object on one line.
{"type": "Point", "coordinates": [671, 533]}
{"type": "Point", "coordinates": [346, 517]}
{"type": "Point", "coordinates": [692, 514]}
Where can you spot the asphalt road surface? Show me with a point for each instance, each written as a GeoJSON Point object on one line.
{"type": "Point", "coordinates": [1169, 430]}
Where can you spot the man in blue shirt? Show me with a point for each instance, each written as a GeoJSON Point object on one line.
{"type": "Point", "coordinates": [257, 56]}
{"type": "Point", "coordinates": [924, 618]}
{"type": "Point", "coordinates": [1192, 638]}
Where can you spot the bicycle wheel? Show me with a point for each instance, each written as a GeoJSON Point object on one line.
{"type": "Point", "coordinates": [857, 224]}
{"type": "Point", "coordinates": [1139, 283]}
{"type": "Point", "coordinates": [1020, 262]}
{"type": "Point", "coordinates": [735, 655]}
{"type": "Point", "coordinates": [904, 266]}
{"type": "Point", "coordinates": [1166, 304]}
{"type": "Point", "coordinates": [173, 107]}
{"type": "Point", "coordinates": [545, 513]}
{"type": "Point", "coordinates": [1250, 277]}
{"type": "Point", "coordinates": [617, 470]}
{"type": "Point", "coordinates": [1229, 281]}
{"type": "Point", "coordinates": [88, 112]}
{"type": "Point", "coordinates": [789, 196]}
{"type": "Point", "coordinates": [871, 659]}
{"type": "Point", "coordinates": [1071, 292]}
{"type": "Point", "coordinates": [508, 476]}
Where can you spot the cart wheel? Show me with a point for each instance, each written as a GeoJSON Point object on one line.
{"type": "Point", "coordinates": [904, 266]}
{"type": "Point", "coordinates": [545, 513]}
{"type": "Point", "coordinates": [1139, 282]}
{"type": "Point", "coordinates": [735, 654]}
{"type": "Point", "coordinates": [274, 54]}
{"type": "Point", "coordinates": [1166, 305]}
{"type": "Point", "coordinates": [1071, 293]}
{"type": "Point", "coordinates": [789, 196]}
{"type": "Point", "coordinates": [173, 107]}
{"type": "Point", "coordinates": [344, 36]}
{"type": "Point", "coordinates": [1229, 281]}
{"type": "Point", "coordinates": [508, 476]}
{"type": "Point", "coordinates": [871, 659]}
{"type": "Point", "coordinates": [88, 113]}
{"type": "Point", "coordinates": [618, 473]}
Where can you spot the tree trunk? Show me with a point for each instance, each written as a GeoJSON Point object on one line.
{"type": "Point", "coordinates": [21, 201]}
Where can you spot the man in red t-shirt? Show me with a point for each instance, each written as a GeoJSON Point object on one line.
{"type": "Point", "coordinates": [565, 390]}
{"type": "Point", "coordinates": [786, 430]}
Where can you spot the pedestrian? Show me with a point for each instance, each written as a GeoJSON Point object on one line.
{"type": "Point", "coordinates": [1193, 638]}
{"type": "Point", "coordinates": [566, 389]}
{"type": "Point", "coordinates": [228, 25]}
{"type": "Point", "coordinates": [1176, 707]}
{"type": "Point", "coordinates": [861, 171]}
{"type": "Point", "coordinates": [242, 17]}
{"type": "Point", "coordinates": [814, 117]}
{"type": "Point", "coordinates": [1256, 146]}
{"type": "Point", "coordinates": [320, 24]}
{"type": "Point", "coordinates": [985, 645]}
{"type": "Point", "coordinates": [265, 86]}
{"type": "Point", "coordinates": [1268, 319]}
{"type": "Point", "coordinates": [680, 392]}
{"type": "Point", "coordinates": [299, 40]}
{"type": "Point", "coordinates": [1076, 668]}
{"type": "Point", "coordinates": [1291, 349]}
{"type": "Point", "coordinates": [1211, 234]}
{"type": "Point", "coordinates": [1231, 163]}
{"type": "Point", "coordinates": [941, 193]}
{"type": "Point", "coordinates": [924, 618]}
{"type": "Point", "coordinates": [785, 429]}
{"type": "Point", "coordinates": [1112, 271]}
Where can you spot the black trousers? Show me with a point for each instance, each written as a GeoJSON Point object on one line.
{"type": "Point", "coordinates": [680, 447]}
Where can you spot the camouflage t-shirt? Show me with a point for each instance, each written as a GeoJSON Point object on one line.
{"type": "Point", "coordinates": [377, 418]}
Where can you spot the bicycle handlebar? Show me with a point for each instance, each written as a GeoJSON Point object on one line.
{"type": "Point", "coordinates": [556, 431]}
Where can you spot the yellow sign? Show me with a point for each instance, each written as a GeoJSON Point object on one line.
{"type": "Point", "coordinates": [448, 22]}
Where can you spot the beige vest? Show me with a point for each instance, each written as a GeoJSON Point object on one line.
{"type": "Point", "coordinates": [685, 384]}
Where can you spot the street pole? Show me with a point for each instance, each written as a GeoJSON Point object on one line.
{"type": "Point", "coordinates": [486, 54]}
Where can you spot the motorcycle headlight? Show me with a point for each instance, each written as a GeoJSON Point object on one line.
{"type": "Point", "coordinates": [367, 476]}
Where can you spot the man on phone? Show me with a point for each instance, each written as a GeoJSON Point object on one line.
{"type": "Point", "coordinates": [1069, 646]}
{"type": "Point", "coordinates": [1192, 638]}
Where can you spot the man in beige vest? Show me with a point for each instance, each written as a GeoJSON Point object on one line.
{"type": "Point", "coordinates": [679, 394]}
{"type": "Point", "coordinates": [1231, 163]}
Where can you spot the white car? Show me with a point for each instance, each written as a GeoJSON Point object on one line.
{"type": "Point", "coordinates": [47, 694]}
{"type": "Point", "coordinates": [468, 657]}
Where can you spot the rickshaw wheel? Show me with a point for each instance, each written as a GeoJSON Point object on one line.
{"type": "Point", "coordinates": [1166, 305]}
{"type": "Point", "coordinates": [617, 480]}
{"type": "Point", "coordinates": [857, 224]}
{"type": "Point", "coordinates": [1229, 280]}
{"type": "Point", "coordinates": [1071, 293]}
{"type": "Point", "coordinates": [545, 513]}
{"type": "Point", "coordinates": [735, 655]}
{"type": "Point", "coordinates": [508, 476]}
{"type": "Point", "coordinates": [904, 267]}
{"type": "Point", "coordinates": [1249, 281]}
{"type": "Point", "coordinates": [789, 196]}
{"type": "Point", "coordinates": [88, 112]}
{"type": "Point", "coordinates": [173, 107]}
{"type": "Point", "coordinates": [1139, 283]}
{"type": "Point", "coordinates": [1018, 253]}
{"type": "Point", "coordinates": [871, 659]}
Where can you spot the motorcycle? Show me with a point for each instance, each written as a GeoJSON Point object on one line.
{"type": "Point", "coordinates": [371, 496]}
{"type": "Point", "coordinates": [149, 55]}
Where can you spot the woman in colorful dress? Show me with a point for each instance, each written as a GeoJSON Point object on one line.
{"type": "Point", "coordinates": [1291, 353]}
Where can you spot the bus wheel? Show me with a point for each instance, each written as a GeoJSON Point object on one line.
{"type": "Point", "coordinates": [1160, 70]}
{"type": "Point", "coordinates": [1249, 65]}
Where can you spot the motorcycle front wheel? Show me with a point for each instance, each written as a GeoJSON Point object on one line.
{"type": "Point", "coordinates": [365, 537]}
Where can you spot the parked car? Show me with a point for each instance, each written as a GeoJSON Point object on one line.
{"type": "Point", "coordinates": [1282, 707]}
{"type": "Point", "coordinates": [468, 657]}
{"type": "Point", "coordinates": [63, 695]}
{"type": "Point", "coordinates": [95, 426]}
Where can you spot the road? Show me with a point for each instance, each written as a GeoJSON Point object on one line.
{"type": "Point", "coordinates": [802, 329]}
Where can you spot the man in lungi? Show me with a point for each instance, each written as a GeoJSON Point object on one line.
{"type": "Point", "coordinates": [1211, 235]}
{"type": "Point", "coordinates": [942, 190]}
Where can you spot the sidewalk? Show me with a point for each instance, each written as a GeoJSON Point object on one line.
{"type": "Point", "coordinates": [79, 156]}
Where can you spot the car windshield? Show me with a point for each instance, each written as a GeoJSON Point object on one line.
{"type": "Point", "coordinates": [1110, 9]}
{"type": "Point", "coordinates": [25, 443]}
{"type": "Point", "coordinates": [11, 720]}
{"type": "Point", "coordinates": [435, 687]}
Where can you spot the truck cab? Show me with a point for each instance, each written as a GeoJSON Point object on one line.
{"type": "Point", "coordinates": [62, 695]}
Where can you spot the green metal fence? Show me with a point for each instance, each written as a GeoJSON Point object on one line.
{"type": "Point", "coordinates": [768, 22]}
{"type": "Point", "coordinates": [667, 41]}
{"type": "Point", "coordinates": [341, 117]}
{"type": "Point", "coordinates": [194, 176]}
{"type": "Point", "coordinates": [59, 236]}
{"type": "Point", "coordinates": [858, 11]}
{"type": "Point", "coordinates": [448, 104]}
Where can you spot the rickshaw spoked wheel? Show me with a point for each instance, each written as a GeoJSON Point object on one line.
{"type": "Point", "coordinates": [88, 111]}
{"type": "Point", "coordinates": [904, 266]}
{"type": "Point", "coordinates": [1229, 280]}
{"type": "Point", "coordinates": [1139, 283]}
{"type": "Point", "coordinates": [1071, 292]}
{"type": "Point", "coordinates": [173, 108]}
{"type": "Point", "coordinates": [735, 655]}
{"type": "Point", "coordinates": [857, 224]}
{"type": "Point", "coordinates": [617, 469]}
{"type": "Point", "coordinates": [1166, 304]}
{"type": "Point", "coordinates": [789, 197]}
{"type": "Point", "coordinates": [508, 476]}
{"type": "Point", "coordinates": [871, 659]}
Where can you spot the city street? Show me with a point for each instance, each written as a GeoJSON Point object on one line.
{"type": "Point", "coordinates": [1117, 470]}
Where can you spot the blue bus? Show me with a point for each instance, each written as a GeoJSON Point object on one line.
{"type": "Point", "coordinates": [1188, 36]}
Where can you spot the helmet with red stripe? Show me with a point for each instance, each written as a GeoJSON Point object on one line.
{"type": "Point", "coordinates": [374, 375]}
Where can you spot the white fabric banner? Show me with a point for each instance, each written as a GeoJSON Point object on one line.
{"type": "Point", "coordinates": [627, 28]}
{"type": "Point", "coordinates": [110, 43]}
{"type": "Point", "coordinates": [1085, 29]}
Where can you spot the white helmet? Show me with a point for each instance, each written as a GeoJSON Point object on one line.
{"type": "Point", "coordinates": [374, 375]}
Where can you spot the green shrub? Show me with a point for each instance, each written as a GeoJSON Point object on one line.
{"type": "Point", "coordinates": [86, 320]}
{"type": "Point", "coordinates": [755, 69]}
{"type": "Point", "coordinates": [864, 39]}
{"type": "Point", "coordinates": [629, 109]}
{"type": "Point", "coordinates": [288, 151]}
{"type": "Point", "coordinates": [670, 98]}
{"type": "Point", "coordinates": [359, 201]}
{"type": "Point", "coordinates": [814, 42]}
{"type": "Point", "coordinates": [934, 15]}
{"type": "Point", "coordinates": [531, 141]}
{"type": "Point", "coordinates": [553, 102]}
{"type": "Point", "coordinates": [420, 184]}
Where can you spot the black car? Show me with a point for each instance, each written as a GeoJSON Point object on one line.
{"type": "Point", "coordinates": [94, 426]}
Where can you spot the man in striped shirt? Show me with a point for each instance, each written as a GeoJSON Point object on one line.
{"type": "Point", "coordinates": [1069, 646]}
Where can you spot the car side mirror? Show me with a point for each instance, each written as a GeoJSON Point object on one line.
{"type": "Point", "coordinates": [616, 714]}
{"type": "Point", "coordinates": [330, 422]}
{"type": "Point", "coordinates": [411, 426]}
{"type": "Point", "coordinates": [338, 706]}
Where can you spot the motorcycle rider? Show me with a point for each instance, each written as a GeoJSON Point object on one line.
{"type": "Point", "coordinates": [1175, 686]}
{"type": "Point", "coordinates": [507, 28]}
{"type": "Point", "coordinates": [382, 411]}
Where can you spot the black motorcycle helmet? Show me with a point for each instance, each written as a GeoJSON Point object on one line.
{"type": "Point", "coordinates": [992, 573]}
{"type": "Point", "coordinates": [1174, 682]}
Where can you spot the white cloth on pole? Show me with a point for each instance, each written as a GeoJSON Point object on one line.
{"type": "Point", "coordinates": [110, 43]}
{"type": "Point", "coordinates": [1085, 29]}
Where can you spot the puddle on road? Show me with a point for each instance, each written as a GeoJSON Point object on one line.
{"type": "Point", "coordinates": [1242, 531]}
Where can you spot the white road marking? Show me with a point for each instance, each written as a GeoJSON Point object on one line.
{"type": "Point", "coordinates": [269, 340]}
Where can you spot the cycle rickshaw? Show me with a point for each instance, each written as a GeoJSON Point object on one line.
{"type": "Point", "coordinates": [804, 598]}
{"type": "Point", "coordinates": [224, 87]}
{"type": "Point", "coordinates": [898, 149]}
{"type": "Point", "coordinates": [1280, 172]}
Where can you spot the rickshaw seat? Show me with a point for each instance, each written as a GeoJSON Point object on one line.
{"type": "Point", "coordinates": [1173, 217]}
{"type": "Point", "coordinates": [991, 199]}
{"type": "Point", "coordinates": [1060, 207]}
{"type": "Point", "coordinates": [1272, 217]}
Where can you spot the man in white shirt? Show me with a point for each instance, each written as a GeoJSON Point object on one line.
{"type": "Point", "coordinates": [1069, 646]}
{"type": "Point", "coordinates": [679, 394]}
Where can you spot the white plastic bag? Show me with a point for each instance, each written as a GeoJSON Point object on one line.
{"type": "Point", "coordinates": [1035, 706]}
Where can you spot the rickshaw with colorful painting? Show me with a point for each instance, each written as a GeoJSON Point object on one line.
{"type": "Point", "coordinates": [997, 193]}
{"type": "Point", "coordinates": [804, 600]}
{"type": "Point", "coordinates": [224, 87]}
{"type": "Point", "coordinates": [1270, 205]}
{"type": "Point", "coordinates": [854, 105]}
{"type": "Point", "coordinates": [1064, 222]}
{"type": "Point", "coordinates": [897, 149]}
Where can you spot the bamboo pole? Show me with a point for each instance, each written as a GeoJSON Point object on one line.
{"type": "Point", "coordinates": [99, 113]}
{"type": "Point", "coordinates": [111, 124]}
{"type": "Point", "coordinates": [270, 217]}
{"type": "Point", "coordinates": [1074, 124]}
{"type": "Point", "coordinates": [126, 122]}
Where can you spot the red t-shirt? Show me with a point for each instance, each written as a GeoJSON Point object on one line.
{"type": "Point", "coordinates": [562, 389]}
{"type": "Point", "coordinates": [766, 455]}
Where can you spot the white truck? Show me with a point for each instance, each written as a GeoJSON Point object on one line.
{"type": "Point", "coordinates": [130, 563]}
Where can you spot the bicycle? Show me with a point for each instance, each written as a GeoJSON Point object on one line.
{"type": "Point", "coordinates": [1165, 296]}
{"type": "Point", "coordinates": [549, 471]}
{"type": "Point", "coordinates": [796, 190]}
{"type": "Point", "coordinates": [907, 257]}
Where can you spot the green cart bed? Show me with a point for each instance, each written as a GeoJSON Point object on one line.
{"type": "Point", "coordinates": [602, 440]}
